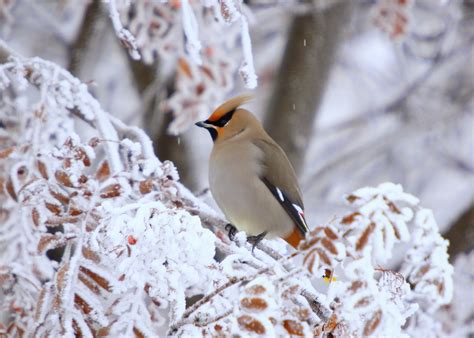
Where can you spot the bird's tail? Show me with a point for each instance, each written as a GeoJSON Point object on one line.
{"type": "Point", "coordinates": [294, 238]}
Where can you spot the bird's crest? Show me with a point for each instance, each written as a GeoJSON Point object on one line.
{"type": "Point", "coordinates": [229, 106]}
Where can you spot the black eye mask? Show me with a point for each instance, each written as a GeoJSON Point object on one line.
{"type": "Point", "coordinates": [223, 120]}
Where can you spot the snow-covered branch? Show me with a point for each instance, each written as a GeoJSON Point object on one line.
{"type": "Point", "coordinates": [143, 256]}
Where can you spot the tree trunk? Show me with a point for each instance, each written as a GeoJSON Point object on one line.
{"type": "Point", "coordinates": [310, 52]}
{"type": "Point", "coordinates": [461, 234]}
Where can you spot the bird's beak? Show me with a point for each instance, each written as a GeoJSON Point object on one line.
{"type": "Point", "coordinates": [203, 124]}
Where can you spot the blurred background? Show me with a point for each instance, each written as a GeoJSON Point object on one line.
{"type": "Point", "coordinates": [357, 92]}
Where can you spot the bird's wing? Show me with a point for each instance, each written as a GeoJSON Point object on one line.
{"type": "Point", "coordinates": [280, 178]}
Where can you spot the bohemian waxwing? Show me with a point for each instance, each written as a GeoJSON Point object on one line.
{"type": "Point", "coordinates": [251, 178]}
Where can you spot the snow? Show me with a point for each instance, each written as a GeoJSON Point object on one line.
{"type": "Point", "coordinates": [139, 245]}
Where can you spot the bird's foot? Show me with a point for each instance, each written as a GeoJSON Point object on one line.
{"type": "Point", "coordinates": [231, 231]}
{"type": "Point", "coordinates": [254, 240]}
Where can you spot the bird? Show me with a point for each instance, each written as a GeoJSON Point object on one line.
{"type": "Point", "coordinates": [251, 178]}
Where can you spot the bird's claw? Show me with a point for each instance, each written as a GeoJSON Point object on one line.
{"type": "Point", "coordinates": [254, 240]}
{"type": "Point", "coordinates": [231, 231]}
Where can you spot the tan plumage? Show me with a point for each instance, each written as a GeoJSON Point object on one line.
{"type": "Point", "coordinates": [251, 177]}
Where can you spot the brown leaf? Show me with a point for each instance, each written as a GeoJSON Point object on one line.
{"type": "Point", "coordinates": [364, 301]}
{"type": "Point", "coordinates": [393, 207]}
{"type": "Point", "coordinates": [309, 242]}
{"type": "Point", "coordinates": [350, 218]}
{"type": "Point", "coordinates": [42, 169]}
{"type": "Point", "coordinates": [256, 289]}
{"type": "Point", "coordinates": [372, 324]}
{"type": "Point", "coordinates": [351, 198]}
{"type": "Point", "coordinates": [49, 241]}
{"type": "Point", "coordinates": [55, 209]}
{"type": "Point", "coordinates": [103, 172]}
{"type": "Point", "coordinates": [4, 213]}
{"type": "Point", "coordinates": [329, 246]}
{"type": "Point", "coordinates": [75, 212]}
{"type": "Point", "coordinates": [61, 276]}
{"type": "Point", "coordinates": [77, 329]}
{"type": "Point", "coordinates": [90, 254]}
{"type": "Point", "coordinates": [254, 303]}
{"type": "Point", "coordinates": [364, 238]}
{"type": "Point", "coordinates": [138, 333]}
{"type": "Point", "coordinates": [94, 142]}
{"type": "Point", "coordinates": [82, 304]}
{"type": "Point", "coordinates": [329, 233]}
{"type": "Point", "coordinates": [146, 186]}
{"type": "Point", "coordinates": [4, 153]}
{"type": "Point", "coordinates": [11, 191]}
{"type": "Point", "coordinates": [63, 178]}
{"type": "Point", "coordinates": [101, 281]}
{"type": "Point", "coordinates": [103, 332]}
{"type": "Point", "coordinates": [110, 191]}
{"type": "Point", "coordinates": [356, 285]}
{"type": "Point", "coordinates": [40, 302]}
{"type": "Point", "coordinates": [323, 256]}
{"type": "Point", "coordinates": [293, 328]}
{"type": "Point", "coordinates": [82, 155]}
{"type": "Point", "coordinates": [310, 261]}
{"type": "Point", "coordinates": [87, 282]}
{"type": "Point", "coordinates": [251, 324]}
{"type": "Point", "coordinates": [183, 68]}
{"type": "Point", "coordinates": [331, 323]}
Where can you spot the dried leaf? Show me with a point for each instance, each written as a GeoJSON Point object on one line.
{"type": "Point", "coordinates": [256, 289]}
{"type": "Point", "coordinates": [48, 242]}
{"type": "Point", "coordinates": [146, 186]}
{"type": "Point", "coordinates": [372, 324]}
{"type": "Point", "coordinates": [183, 68]}
{"type": "Point", "coordinates": [87, 282]}
{"type": "Point", "coordinates": [42, 169]}
{"type": "Point", "coordinates": [356, 285]}
{"type": "Point", "coordinates": [101, 281]}
{"type": "Point", "coordinates": [103, 172]}
{"type": "Point", "coordinates": [364, 301]}
{"type": "Point", "coordinates": [329, 233]}
{"type": "Point", "coordinates": [364, 238]}
{"type": "Point", "coordinates": [91, 255]}
{"type": "Point", "coordinates": [352, 198]}
{"type": "Point", "coordinates": [4, 153]}
{"type": "Point", "coordinates": [77, 329]}
{"type": "Point", "coordinates": [254, 303]}
{"type": "Point", "coordinates": [331, 323]}
{"type": "Point", "coordinates": [110, 191]}
{"type": "Point", "coordinates": [138, 333]}
{"type": "Point", "coordinates": [63, 199]}
{"type": "Point", "coordinates": [82, 304]}
{"type": "Point", "coordinates": [61, 276]}
{"type": "Point", "coordinates": [11, 191]}
{"type": "Point", "coordinates": [55, 209]}
{"type": "Point", "coordinates": [82, 156]}
{"type": "Point", "coordinates": [94, 142]}
{"type": "Point", "coordinates": [329, 246]}
{"type": "Point", "coordinates": [293, 328]}
{"type": "Point", "coordinates": [350, 218]}
{"type": "Point", "coordinates": [251, 324]}
{"type": "Point", "coordinates": [63, 178]}
{"type": "Point", "coordinates": [323, 256]}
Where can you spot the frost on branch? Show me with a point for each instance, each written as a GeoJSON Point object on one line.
{"type": "Point", "coordinates": [188, 36]}
{"type": "Point", "coordinates": [133, 258]}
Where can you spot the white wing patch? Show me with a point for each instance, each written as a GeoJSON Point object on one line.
{"type": "Point", "coordinates": [280, 195]}
{"type": "Point", "coordinates": [301, 214]}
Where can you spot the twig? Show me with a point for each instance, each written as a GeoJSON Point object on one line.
{"type": "Point", "coordinates": [232, 281]}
